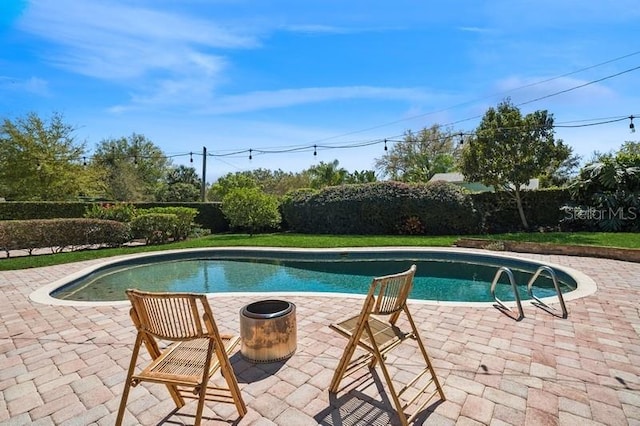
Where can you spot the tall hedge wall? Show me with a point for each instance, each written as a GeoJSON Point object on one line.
{"type": "Point", "coordinates": [209, 214]}
{"type": "Point", "coordinates": [382, 208]}
{"type": "Point", "coordinates": [541, 208]}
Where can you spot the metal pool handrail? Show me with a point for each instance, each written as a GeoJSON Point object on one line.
{"type": "Point", "coordinates": [501, 270]}
{"type": "Point", "coordinates": [540, 303]}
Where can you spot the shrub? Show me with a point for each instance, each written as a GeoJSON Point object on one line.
{"type": "Point", "coordinates": [251, 209]}
{"type": "Point", "coordinates": [121, 212]}
{"type": "Point", "coordinates": [155, 228]}
{"type": "Point", "coordinates": [382, 208]}
{"type": "Point", "coordinates": [184, 219]}
{"type": "Point", "coordinates": [58, 234]}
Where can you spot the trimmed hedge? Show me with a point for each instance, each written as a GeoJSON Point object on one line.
{"type": "Point", "coordinates": [61, 233]}
{"type": "Point", "coordinates": [437, 208]}
{"type": "Point", "coordinates": [209, 214]}
{"type": "Point", "coordinates": [542, 208]}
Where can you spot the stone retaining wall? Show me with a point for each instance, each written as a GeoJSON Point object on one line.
{"type": "Point", "coordinates": [629, 255]}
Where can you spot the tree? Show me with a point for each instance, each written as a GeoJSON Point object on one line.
{"type": "Point", "coordinates": [364, 176]}
{"type": "Point", "coordinates": [509, 149]}
{"type": "Point", "coordinates": [419, 156]}
{"type": "Point", "coordinates": [326, 174]}
{"type": "Point", "coordinates": [228, 183]}
{"type": "Point", "coordinates": [607, 191]}
{"type": "Point", "coordinates": [41, 160]}
{"type": "Point", "coordinates": [180, 184]}
{"type": "Point", "coordinates": [251, 209]}
{"type": "Point", "coordinates": [560, 173]}
{"type": "Point", "coordinates": [133, 165]}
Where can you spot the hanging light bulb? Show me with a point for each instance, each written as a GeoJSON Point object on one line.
{"type": "Point", "coordinates": [191, 157]}
{"type": "Point", "coordinates": [385, 145]}
{"type": "Point", "coordinates": [84, 161]}
{"type": "Point", "coordinates": [250, 156]}
{"type": "Point", "coordinates": [314, 150]}
{"type": "Point", "coordinates": [461, 139]}
{"type": "Point", "coordinates": [135, 160]}
{"type": "Point", "coordinates": [631, 125]}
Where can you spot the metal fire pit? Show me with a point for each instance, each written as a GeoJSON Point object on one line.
{"type": "Point", "coordinates": [268, 330]}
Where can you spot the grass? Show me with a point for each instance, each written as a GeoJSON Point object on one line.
{"type": "Point", "coordinates": [624, 240]}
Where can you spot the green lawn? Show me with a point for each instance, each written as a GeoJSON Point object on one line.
{"type": "Point", "coordinates": [625, 240]}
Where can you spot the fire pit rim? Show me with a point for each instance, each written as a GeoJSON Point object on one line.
{"type": "Point", "coordinates": [252, 309]}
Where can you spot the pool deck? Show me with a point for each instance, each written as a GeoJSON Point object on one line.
{"type": "Point", "coordinates": [65, 365]}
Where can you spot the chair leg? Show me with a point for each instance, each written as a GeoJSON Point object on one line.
{"type": "Point", "coordinates": [232, 383]}
{"type": "Point", "coordinates": [343, 364]}
{"type": "Point", "coordinates": [127, 382]}
{"type": "Point", "coordinates": [425, 355]}
{"type": "Point", "coordinates": [387, 378]}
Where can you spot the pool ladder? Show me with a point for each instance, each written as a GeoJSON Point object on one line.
{"type": "Point", "coordinates": [536, 301]}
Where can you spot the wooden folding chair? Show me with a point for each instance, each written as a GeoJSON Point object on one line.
{"type": "Point", "coordinates": [378, 335]}
{"type": "Point", "coordinates": [195, 350]}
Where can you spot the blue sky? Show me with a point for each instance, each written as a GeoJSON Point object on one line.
{"type": "Point", "coordinates": [233, 75]}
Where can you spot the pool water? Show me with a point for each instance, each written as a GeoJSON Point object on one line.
{"type": "Point", "coordinates": [440, 280]}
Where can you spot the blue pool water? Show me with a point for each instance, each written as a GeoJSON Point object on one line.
{"type": "Point", "coordinates": [440, 276]}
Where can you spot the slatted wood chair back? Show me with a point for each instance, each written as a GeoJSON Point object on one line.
{"type": "Point", "coordinates": [391, 292]}
{"type": "Point", "coordinates": [171, 316]}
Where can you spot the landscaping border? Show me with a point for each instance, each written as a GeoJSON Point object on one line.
{"type": "Point", "coordinates": [616, 253]}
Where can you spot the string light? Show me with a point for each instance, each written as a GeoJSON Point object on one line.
{"type": "Point", "coordinates": [385, 145]}
{"type": "Point", "coordinates": [84, 161]}
{"type": "Point", "coordinates": [631, 126]}
{"type": "Point", "coordinates": [315, 152]}
{"type": "Point", "coordinates": [191, 157]}
{"type": "Point", "coordinates": [250, 156]}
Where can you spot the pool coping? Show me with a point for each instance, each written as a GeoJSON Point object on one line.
{"type": "Point", "coordinates": [585, 284]}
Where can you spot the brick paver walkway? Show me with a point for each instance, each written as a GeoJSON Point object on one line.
{"type": "Point", "coordinates": [65, 365]}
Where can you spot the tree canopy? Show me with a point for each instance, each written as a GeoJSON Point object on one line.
{"type": "Point", "coordinates": [134, 167]}
{"type": "Point", "coordinates": [420, 155]}
{"type": "Point", "coordinates": [509, 149]}
{"type": "Point", "coordinates": [41, 160]}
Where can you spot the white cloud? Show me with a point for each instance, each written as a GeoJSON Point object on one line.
{"type": "Point", "coordinates": [32, 85]}
{"type": "Point", "coordinates": [113, 41]}
{"type": "Point", "coordinates": [290, 97]}
{"type": "Point", "coordinates": [563, 90]}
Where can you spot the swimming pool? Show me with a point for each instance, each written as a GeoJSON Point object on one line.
{"type": "Point", "coordinates": [443, 275]}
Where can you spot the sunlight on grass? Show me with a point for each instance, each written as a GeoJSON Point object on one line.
{"type": "Point", "coordinates": [623, 240]}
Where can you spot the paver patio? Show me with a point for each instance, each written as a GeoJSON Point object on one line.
{"type": "Point", "coordinates": [65, 365]}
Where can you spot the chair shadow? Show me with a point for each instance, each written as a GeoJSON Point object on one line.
{"type": "Point", "coordinates": [177, 418]}
{"type": "Point", "coordinates": [356, 408]}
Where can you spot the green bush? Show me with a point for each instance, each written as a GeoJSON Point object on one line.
{"type": "Point", "coordinates": [121, 212]}
{"type": "Point", "coordinates": [24, 210]}
{"type": "Point", "coordinates": [250, 209]}
{"type": "Point", "coordinates": [185, 219]}
{"type": "Point", "coordinates": [155, 228]}
{"type": "Point", "coordinates": [436, 208]}
{"type": "Point", "coordinates": [59, 234]}
{"type": "Point", "coordinates": [209, 214]}
{"type": "Point", "coordinates": [541, 207]}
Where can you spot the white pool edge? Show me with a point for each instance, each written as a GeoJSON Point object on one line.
{"type": "Point", "coordinates": [585, 284]}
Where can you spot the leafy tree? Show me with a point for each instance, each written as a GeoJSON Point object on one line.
{"type": "Point", "coordinates": [133, 165]}
{"type": "Point", "coordinates": [251, 209]}
{"type": "Point", "coordinates": [607, 192]}
{"type": "Point", "coordinates": [560, 174]}
{"type": "Point", "coordinates": [228, 183]}
{"type": "Point", "coordinates": [278, 182]}
{"type": "Point", "coordinates": [420, 155]}
{"type": "Point", "coordinates": [180, 184]}
{"type": "Point", "coordinates": [326, 174]}
{"type": "Point", "coordinates": [40, 160]}
{"type": "Point", "coordinates": [364, 176]}
{"type": "Point", "coordinates": [510, 149]}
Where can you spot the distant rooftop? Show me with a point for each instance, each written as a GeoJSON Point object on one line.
{"type": "Point", "coordinates": [458, 179]}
